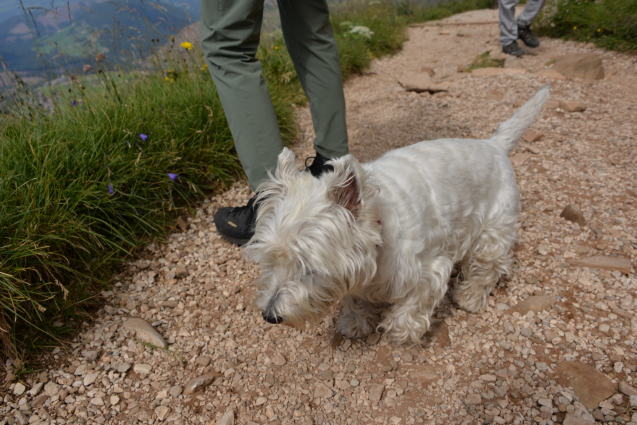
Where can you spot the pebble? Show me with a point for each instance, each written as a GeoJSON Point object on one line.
{"type": "Point", "coordinates": [114, 399]}
{"type": "Point", "coordinates": [89, 379]}
{"type": "Point", "coordinates": [626, 389]}
{"type": "Point", "coordinates": [534, 303]}
{"type": "Point", "coordinates": [260, 401]}
{"type": "Point", "coordinates": [35, 389]}
{"type": "Point", "coordinates": [199, 382]}
{"type": "Point", "coordinates": [278, 359]}
{"type": "Point", "coordinates": [142, 368]}
{"type": "Point", "coordinates": [19, 388]}
{"type": "Point", "coordinates": [51, 389]}
{"type": "Point", "coordinates": [145, 332]}
{"type": "Point", "coordinates": [227, 418]}
{"type": "Point", "coordinates": [590, 385]}
{"type": "Point", "coordinates": [322, 391]}
{"type": "Point", "coordinates": [162, 412]}
{"type": "Point", "coordinates": [376, 392]}
{"type": "Point", "coordinates": [175, 390]}
{"type": "Point", "coordinates": [473, 399]}
{"type": "Point", "coordinates": [97, 401]}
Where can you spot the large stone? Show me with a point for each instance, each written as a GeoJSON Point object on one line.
{"type": "Point", "coordinates": [145, 332]}
{"type": "Point", "coordinates": [550, 74]}
{"type": "Point", "coordinates": [589, 384]}
{"type": "Point", "coordinates": [572, 106]}
{"type": "Point", "coordinates": [571, 214]}
{"type": "Point", "coordinates": [534, 303]}
{"type": "Point", "coordinates": [620, 264]}
{"type": "Point", "coordinates": [19, 388]}
{"type": "Point", "coordinates": [200, 382]}
{"type": "Point", "coordinates": [51, 389]}
{"type": "Point", "coordinates": [421, 82]}
{"type": "Point", "coordinates": [492, 72]}
{"type": "Point", "coordinates": [586, 66]}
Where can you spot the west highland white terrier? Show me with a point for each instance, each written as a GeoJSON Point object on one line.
{"type": "Point", "coordinates": [383, 237]}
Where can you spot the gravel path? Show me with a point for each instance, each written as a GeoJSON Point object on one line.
{"type": "Point", "coordinates": [557, 343]}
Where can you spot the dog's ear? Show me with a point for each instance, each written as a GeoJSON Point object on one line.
{"type": "Point", "coordinates": [346, 190]}
{"type": "Point", "coordinates": [286, 164]}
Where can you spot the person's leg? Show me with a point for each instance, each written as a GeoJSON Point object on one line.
{"type": "Point", "coordinates": [230, 38]}
{"type": "Point", "coordinates": [308, 35]}
{"type": "Point", "coordinates": [508, 25]}
{"type": "Point", "coordinates": [531, 9]}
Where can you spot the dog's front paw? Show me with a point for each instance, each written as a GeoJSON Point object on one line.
{"type": "Point", "coordinates": [470, 299]}
{"type": "Point", "coordinates": [353, 325]}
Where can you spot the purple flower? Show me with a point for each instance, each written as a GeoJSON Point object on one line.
{"type": "Point", "coordinates": [110, 189]}
{"type": "Point", "coordinates": [143, 136]}
{"type": "Point", "coordinates": [74, 103]}
{"type": "Point", "coordinates": [173, 176]}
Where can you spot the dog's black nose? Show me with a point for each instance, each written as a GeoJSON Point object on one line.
{"type": "Point", "coordinates": [271, 318]}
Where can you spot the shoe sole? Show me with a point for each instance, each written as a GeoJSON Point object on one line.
{"type": "Point", "coordinates": [233, 240]}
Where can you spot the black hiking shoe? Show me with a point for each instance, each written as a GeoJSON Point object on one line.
{"type": "Point", "coordinates": [526, 35]}
{"type": "Point", "coordinates": [318, 165]}
{"type": "Point", "coordinates": [513, 49]}
{"type": "Point", "coordinates": [236, 224]}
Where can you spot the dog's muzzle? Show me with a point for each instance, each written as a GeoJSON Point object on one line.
{"type": "Point", "coordinates": [271, 318]}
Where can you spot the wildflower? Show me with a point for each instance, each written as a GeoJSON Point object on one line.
{"type": "Point", "coordinates": [186, 45]}
{"type": "Point", "coordinates": [361, 31]}
{"type": "Point", "coordinates": [74, 102]}
{"type": "Point", "coordinates": [173, 176]}
{"type": "Point", "coordinates": [203, 68]}
{"type": "Point", "coordinates": [87, 68]}
{"type": "Point", "coordinates": [143, 136]}
{"type": "Point", "coordinates": [110, 189]}
{"type": "Point", "coordinates": [100, 57]}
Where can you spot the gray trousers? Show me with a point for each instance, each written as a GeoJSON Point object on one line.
{"type": "Point", "coordinates": [508, 23]}
{"type": "Point", "coordinates": [230, 38]}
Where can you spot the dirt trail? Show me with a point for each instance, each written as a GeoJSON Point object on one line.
{"type": "Point", "coordinates": [560, 362]}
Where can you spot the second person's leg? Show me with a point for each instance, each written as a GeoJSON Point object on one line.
{"type": "Point", "coordinates": [310, 40]}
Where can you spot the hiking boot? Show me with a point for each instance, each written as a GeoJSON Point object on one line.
{"type": "Point", "coordinates": [318, 165]}
{"type": "Point", "coordinates": [236, 224]}
{"type": "Point", "coordinates": [526, 35]}
{"type": "Point", "coordinates": [513, 49]}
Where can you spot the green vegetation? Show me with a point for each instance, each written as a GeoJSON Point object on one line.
{"type": "Point", "coordinates": [611, 24]}
{"type": "Point", "coordinates": [484, 60]}
{"type": "Point", "coordinates": [117, 157]}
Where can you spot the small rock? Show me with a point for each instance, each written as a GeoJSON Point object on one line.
{"type": "Point", "coordinates": [354, 382]}
{"type": "Point", "coordinates": [534, 303]}
{"type": "Point", "coordinates": [227, 418]}
{"type": "Point", "coordinates": [122, 367]}
{"type": "Point", "coordinates": [488, 378]}
{"type": "Point", "coordinates": [19, 389]}
{"type": "Point", "coordinates": [579, 417]}
{"type": "Point", "coordinates": [260, 401]}
{"type": "Point", "coordinates": [200, 382]}
{"type": "Point", "coordinates": [180, 271]}
{"type": "Point", "coordinates": [422, 82]}
{"type": "Point", "coordinates": [142, 368]}
{"type": "Point", "coordinates": [175, 390]}
{"type": "Point", "coordinates": [620, 264]}
{"type": "Point", "coordinates": [39, 401]}
{"type": "Point", "coordinates": [322, 391]}
{"type": "Point", "coordinates": [532, 136]}
{"type": "Point", "coordinates": [36, 388]}
{"type": "Point", "coordinates": [145, 332]}
{"type": "Point", "coordinates": [203, 361]}
{"type": "Point", "coordinates": [90, 355]}
{"type": "Point", "coordinates": [572, 106]}
{"type": "Point", "coordinates": [89, 379]}
{"type": "Point", "coordinates": [571, 214]}
{"type": "Point", "coordinates": [604, 328]}
{"type": "Point", "coordinates": [626, 389]}
{"type": "Point", "coordinates": [162, 412]}
{"type": "Point", "coordinates": [114, 400]}
{"type": "Point", "coordinates": [97, 401]}
{"type": "Point", "coordinates": [51, 389]}
{"type": "Point", "coordinates": [473, 399]}
{"type": "Point", "coordinates": [278, 359]}
{"type": "Point", "coordinates": [633, 401]}
{"type": "Point", "coordinates": [376, 392]}
{"type": "Point", "coordinates": [590, 385]}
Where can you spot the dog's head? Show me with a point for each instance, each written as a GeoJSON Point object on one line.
{"type": "Point", "coordinates": [315, 238]}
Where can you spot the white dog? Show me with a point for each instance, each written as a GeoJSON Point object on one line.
{"type": "Point", "coordinates": [384, 236]}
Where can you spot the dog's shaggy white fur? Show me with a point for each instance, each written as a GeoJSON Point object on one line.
{"type": "Point", "coordinates": [384, 236]}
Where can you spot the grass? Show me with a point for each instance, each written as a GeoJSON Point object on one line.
{"type": "Point", "coordinates": [82, 189]}
{"type": "Point", "coordinates": [611, 24]}
{"type": "Point", "coordinates": [484, 60]}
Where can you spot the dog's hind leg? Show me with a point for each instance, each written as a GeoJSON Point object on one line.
{"type": "Point", "coordinates": [358, 317]}
{"type": "Point", "coordinates": [488, 260]}
{"type": "Point", "coordinates": [409, 318]}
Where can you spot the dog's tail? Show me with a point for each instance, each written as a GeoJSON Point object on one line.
{"type": "Point", "coordinates": [510, 131]}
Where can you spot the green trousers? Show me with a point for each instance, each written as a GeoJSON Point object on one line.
{"type": "Point", "coordinates": [230, 38]}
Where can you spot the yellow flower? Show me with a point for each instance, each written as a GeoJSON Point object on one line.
{"type": "Point", "coordinates": [203, 68]}
{"type": "Point", "coordinates": [186, 45]}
